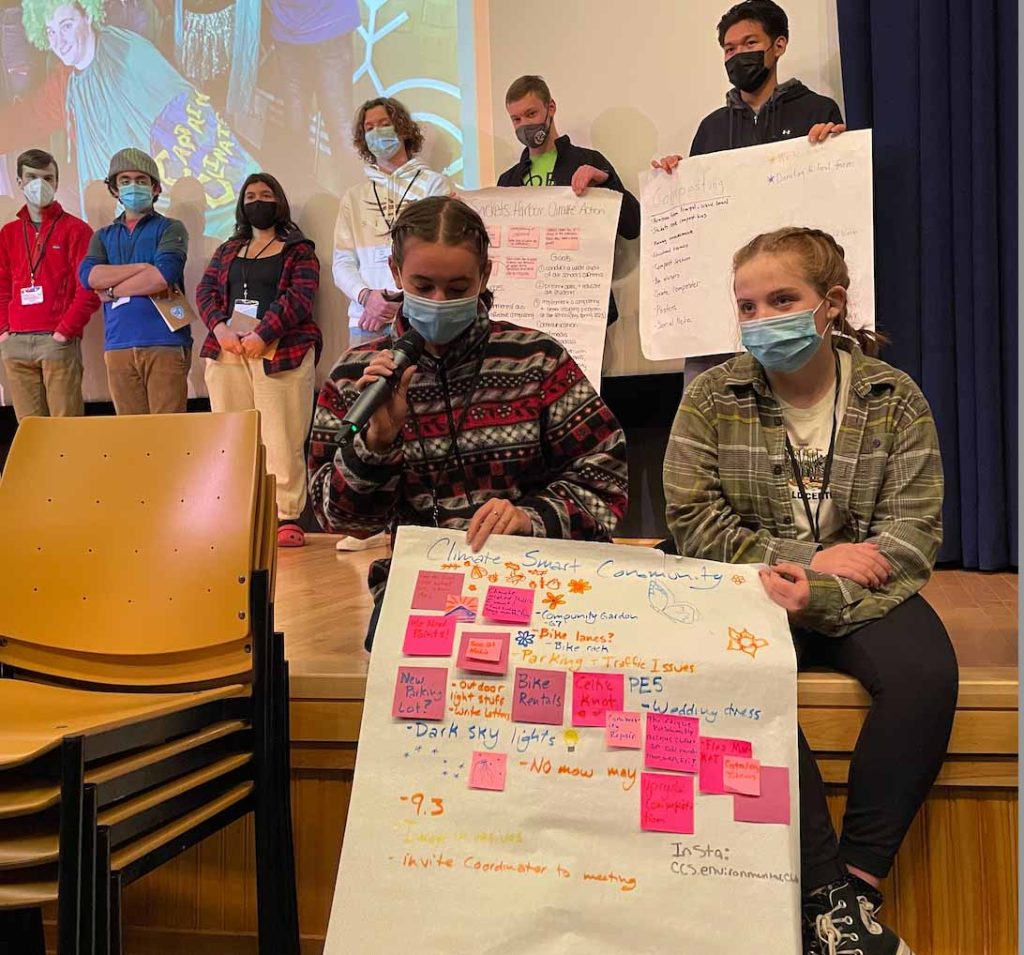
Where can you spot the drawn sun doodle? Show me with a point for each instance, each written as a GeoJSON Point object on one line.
{"type": "Point", "coordinates": [661, 599]}
{"type": "Point", "coordinates": [745, 641]}
{"type": "Point", "coordinates": [554, 600]}
{"type": "Point", "coordinates": [578, 586]}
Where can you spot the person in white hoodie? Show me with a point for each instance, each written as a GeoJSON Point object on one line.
{"type": "Point", "coordinates": [388, 139]}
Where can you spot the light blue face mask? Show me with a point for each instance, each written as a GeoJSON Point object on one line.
{"type": "Point", "coordinates": [782, 342]}
{"type": "Point", "coordinates": [383, 141]}
{"type": "Point", "coordinates": [440, 322]}
{"type": "Point", "coordinates": [135, 197]}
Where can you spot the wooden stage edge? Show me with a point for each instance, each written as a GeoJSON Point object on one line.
{"type": "Point", "coordinates": [953, 890]}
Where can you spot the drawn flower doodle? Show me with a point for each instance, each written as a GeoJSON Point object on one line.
{"type": "Point", "coordinates": [745, 642]}
{"type": "Point", "coordinates": [578, 586]}
{"type": "Point", "coordinates": [554, 600]}
{"type": "Point", "coordinates": [662, 600]}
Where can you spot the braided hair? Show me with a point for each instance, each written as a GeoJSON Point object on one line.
{"type": "Point", "coordinates": [824, 266]}
{"type": "Point", "coordinates": [447, 220]}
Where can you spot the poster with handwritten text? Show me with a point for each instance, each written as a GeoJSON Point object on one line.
{"type": "Point", "coordinates": [562, 804]}
{"type": "Point", "coordinates": [551, 263]}
{"type": "Point", "coordinates": [694, 219]}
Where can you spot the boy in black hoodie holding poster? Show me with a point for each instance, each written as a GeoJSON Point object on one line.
{"type": "Point", "coordinates": [758, 109]}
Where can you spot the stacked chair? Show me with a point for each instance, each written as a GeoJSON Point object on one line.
{"type": "Point", "coordinates": [143, 690]}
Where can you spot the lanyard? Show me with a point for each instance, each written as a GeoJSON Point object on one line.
{"type": "Point", "coordinates": [43, 246]}
{"type": "Point", "coordinates": [389, 222]}
{"type": "Point", "coordinates": [245, 271]}
{"type": "Point", "coordinates": [815, 522]}
{"type": "Point", "coordinates": [456, 429]}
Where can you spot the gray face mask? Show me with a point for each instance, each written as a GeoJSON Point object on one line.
{"type": "Point", "coordinates": [534, 135]}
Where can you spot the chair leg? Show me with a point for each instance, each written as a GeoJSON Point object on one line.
{"type": "Point", "coordinates": [103, 893]}
{"type": "Point", "coordinates": [286, 846]}
{"type": "Point", "coordinates": [115, 888]}
{"type": "Point", "coordinates": [87, 931]}
{"type": "Point", "coordinates": [21, 932]}
{"type": "Point", "coordinates": [69, 869]}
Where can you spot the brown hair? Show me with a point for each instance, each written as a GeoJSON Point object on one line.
{"type": "Point", "coordinates": [824, 266]}
{"type": "Point", "coordinates": [443, 219]}
{"type": "Point", "coordinates": [526, 85]}
{"type": "Point", "coordinates": [36, 159]}
{"type": "Point", "coordinates": [405, 126]}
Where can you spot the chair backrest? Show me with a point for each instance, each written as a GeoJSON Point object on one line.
{"type": "Point", "coordinates": [129, 545]}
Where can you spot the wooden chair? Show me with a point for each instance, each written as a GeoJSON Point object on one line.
{"type": "Point", "coordinates": [143, 696]}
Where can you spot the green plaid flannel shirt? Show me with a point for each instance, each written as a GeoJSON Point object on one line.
{"type": "Point", "coordinates": [727, 483]}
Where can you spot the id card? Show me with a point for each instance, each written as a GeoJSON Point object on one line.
{"type": "Point", "coordinates": [244, 308]}
{"type": "Point", "coordinates": [32, 295]}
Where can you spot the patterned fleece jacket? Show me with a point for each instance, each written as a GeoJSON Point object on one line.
{"type": "Point", "coordinates": [505, 412]}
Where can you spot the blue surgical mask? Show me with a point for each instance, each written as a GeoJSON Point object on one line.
{"type": "Point", "coordinates": [135, 197]}
{"type": "Point", "coordinates": [783, 342]}
{"type": "Point", "coordinates": [383, 141]}
{"type": "Point", "coordinates": [440, 322]}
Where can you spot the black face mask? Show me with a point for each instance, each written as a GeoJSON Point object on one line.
{"type": "Point", "coordinates": [747, 71]}
{"type": "Point", "coordinates": [261, 214]}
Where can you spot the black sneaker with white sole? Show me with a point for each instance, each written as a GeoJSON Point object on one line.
{"type": "Point", "coordinates": [839, 919]}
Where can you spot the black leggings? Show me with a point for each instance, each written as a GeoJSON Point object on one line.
{"type": "Point", "coordinates": [906, 662]}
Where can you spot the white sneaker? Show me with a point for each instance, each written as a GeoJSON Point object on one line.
{"type": "Point", "coordinates": [356, 543]}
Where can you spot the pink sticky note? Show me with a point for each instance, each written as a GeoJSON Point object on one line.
{"type": "Point", "coordinates": [538, 696]}
{"type": "Point", "coordinates": [487, 771]}
{"type": "Point", "coordinates": [484, 651]}
{"type": "Point", "coordinates": [509, 604]}
{"type": "Point", "coordinates": [713, 750]}
{"type": "Point", "coordinates": [461, 608]}
{"type": "Point", "coordinates": [666, 803]}
{"type": "Point", "coordinates": [434, 588]}
{"type": "Point", "coordinates": [429, 636]}
{"type": "Point", "coordinates": [772, 806]}
{"type": "Point", "coordinates": [420, 693]}
{"type": "Point", "coordinates": [673, 742]}
{"type": "Point", "coordinates": [741, 774]}
{"type": "Point", "coordinates": [594, 694]}
{"type": "Point", "coordinates": [622, 730]}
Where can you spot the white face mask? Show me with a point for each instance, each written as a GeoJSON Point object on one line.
{"type": "Point", "coordinates": [38, 192]}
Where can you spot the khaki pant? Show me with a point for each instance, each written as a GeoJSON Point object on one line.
{"type": "Point", "coordinates": [44, 376]}
{"type": "Point", "coordinates": [151, 380]}
{"type": "Point", "coordinates": [285, 404]}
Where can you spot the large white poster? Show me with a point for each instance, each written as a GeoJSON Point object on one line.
{"type": "Point", "coordinates": [694, 220]}
{"type": "Point", "coordinates": [551, 254]}
{"type": "Point", "coordinates": [572, 748]}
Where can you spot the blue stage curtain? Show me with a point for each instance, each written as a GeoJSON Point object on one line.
{"type": "Point", "coordinates": [936, 80]}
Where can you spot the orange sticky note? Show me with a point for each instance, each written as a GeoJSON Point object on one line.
{"type": "Point", "coordinates": [622, 730]}
{"type": "Point", "coordinates": [666, 803]}
{"type": "Point", "coordinates": [487, 771]}
{"type": "Point", "coordinates": [741, 775]}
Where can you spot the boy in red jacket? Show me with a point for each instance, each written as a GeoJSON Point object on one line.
{"type": "Point", "coordinates": [43, 308]}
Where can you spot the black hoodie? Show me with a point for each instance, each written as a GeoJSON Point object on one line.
{"type": "Point", "coordinates": [790, 113]}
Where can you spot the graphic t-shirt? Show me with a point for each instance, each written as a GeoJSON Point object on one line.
{"type": "Point", "coordinates": [542, 169]}
{"type": "Point", "coordinates": [809, 431]}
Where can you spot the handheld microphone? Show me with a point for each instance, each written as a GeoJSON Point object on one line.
{"type": "Point", "coordinates": [407, 351]}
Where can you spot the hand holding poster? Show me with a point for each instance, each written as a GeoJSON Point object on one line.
{"type": "Point", "coordinates": [608, 763]}
{"type": "Point", "coordinates": [695, 219]}
{"type": "Point", "coordinates": [551, 254]}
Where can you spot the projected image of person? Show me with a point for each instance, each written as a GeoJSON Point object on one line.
{"type": "Point", "coordinates": [116, 89]}
{"type": "Point", "coordinates": [313, 43]}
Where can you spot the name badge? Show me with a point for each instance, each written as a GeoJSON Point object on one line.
{"type": "Point", "coordinates": [33, 295]}
{"type": "Point", "coordinates": [245, 306]}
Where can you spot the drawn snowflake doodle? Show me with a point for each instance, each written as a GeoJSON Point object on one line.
{"type": "Point", "coordinates": [745, 641]}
